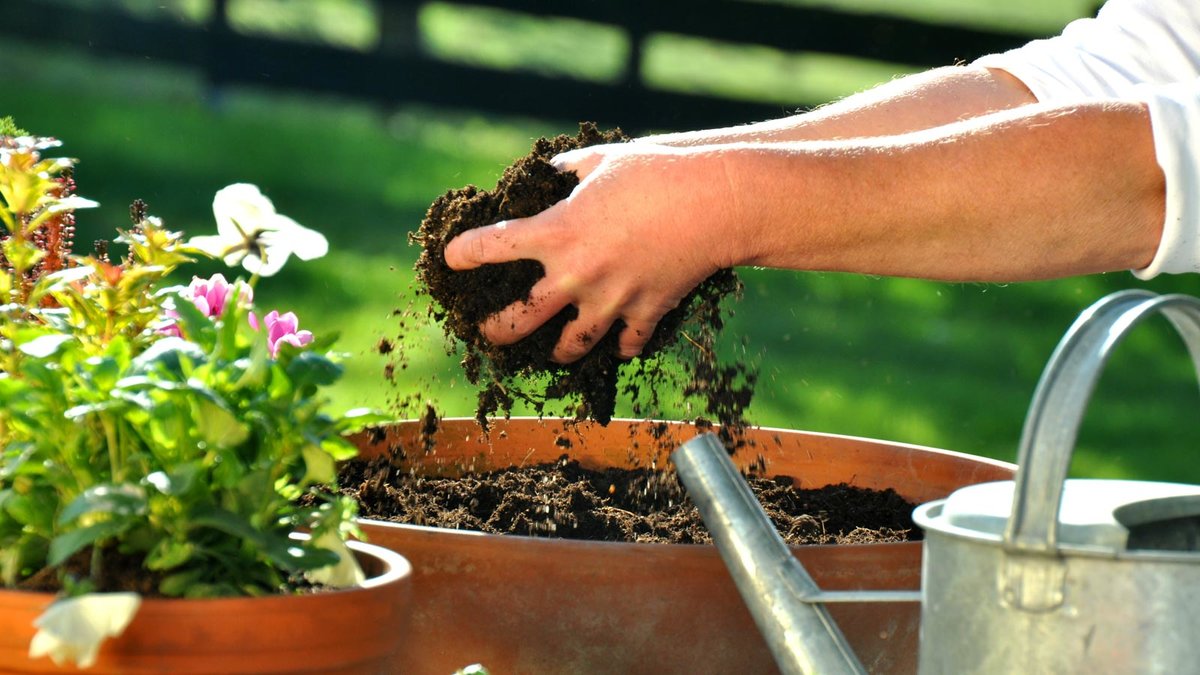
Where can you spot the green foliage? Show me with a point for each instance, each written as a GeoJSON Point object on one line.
{"type": "Point", "coordinates": [9, 128]}
{"type": "Point", "coordinates": [133, 422]}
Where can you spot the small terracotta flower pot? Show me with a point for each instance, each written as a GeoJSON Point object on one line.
{"type": "Point", "coordinates": [533, 605]}
{"type": "Point", "coordinates": [355, 630]}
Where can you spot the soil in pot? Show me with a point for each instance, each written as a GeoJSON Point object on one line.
{"type": "Point", "coordinates": [563, 499]}
{"type": "Point", "coordinates": [524, 371]}
{"type": "Point", "coordinates": [548, 604]}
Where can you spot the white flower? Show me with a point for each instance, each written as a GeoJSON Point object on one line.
{"type": "Point", "coordinates": [73, 629]}
{"type": "Point", "coordinates": [345, 573]}
{"type": "Point", "coordinates": [250, 232]}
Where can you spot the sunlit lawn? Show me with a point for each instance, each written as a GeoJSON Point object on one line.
{"type": "Point", "coordinates": [948, 365]}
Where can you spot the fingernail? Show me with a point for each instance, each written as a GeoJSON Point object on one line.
{"type": "Point", "coordinates": [563, 160]}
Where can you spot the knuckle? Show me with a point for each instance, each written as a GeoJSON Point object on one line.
{"type": "Point", "coordinates": [477, 251]}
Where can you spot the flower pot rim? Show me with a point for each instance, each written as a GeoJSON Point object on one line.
{"type": "Point", "coordinates": [454, 426]}
{"type": "Point", "coordinates": [467, 536]}
{"type": "Point", "coordinates": [395, 568]}
{"type": "Point", "coordinates": [998, 463]}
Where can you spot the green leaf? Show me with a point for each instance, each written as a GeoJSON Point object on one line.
{"type": "Point", "coordinates": [179, 583]}
{"type": "Point", "coordinates": [16, 460]}
{"type": "Point", "coordinates": [46, 345]}
{"type": "Point", "coordinates": [166, 425]}
{"type": "Point", "coordinates": [22, 254]}
{"type": "Point", "coordinates": [169, 554]}
{"type": "Point", "coordinates": [218, 426]}
{"type": "Point", "coordinates": [255, 368]}
{"type": "Point", "coordinates": [178, 482]}
{"type": "Point", "coordinates": [12, 389]}
{"type": "Point", "coordinates": [279, 387]}
{"type": "Point", "coordinates": [339, 449]}
{"type": "Point", "coordinates": [122, 501]}
{"type": "Point", "coordinates": [104, 372]}
{"type": "Point", "coordinates": [34, 510]}
{"type": "Point", "coordinates": [313, 368]}
{"type": "Point", "coordinates": [57, 280]}
{"type": "Point", "coordinates": [254, 489]}
{"type": "Point", "coordinates": [66, 545]}
{"type": "Point", "coordinates": [57, 318]}
{"type": "Point", "coordinates": [318, 466]}
{"type": "Point", "coordinates": [8, 127]}
{"type": "Point", "coordinates": [356, 419]}
{"type": "Point", "coordinates": [16, 560]}
{"type": "Point", "coordinates": [279, 549]}
{"type": "Point", "coordinates": [120, 351]}
{"type": "Point", "coordinates": [167, 356]}
{"type": "Point", "coordinates": [196, 325]}
{"type": "Point", "coordinates": [80, 411]}
{"type": "Point", "coordinates": [324, 341]}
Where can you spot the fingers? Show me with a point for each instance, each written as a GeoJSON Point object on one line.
{"type": "Point", "coordinates": [633, 339]}
{"type": "Point", "coordinates": [582, 334]}
{"type": "Point", "coordinates": [505, 241]}
{"type": "Point", "coordinates": [520, 319]}
{"type": "Point", "coordinates": [481, 246]}
{"type": "Point", "coordinates": [579, 336]}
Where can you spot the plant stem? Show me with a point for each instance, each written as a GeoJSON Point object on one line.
{"type": "Point", "coordinates": [114, 448]}
{"type": "Point", "coordinates": [97, 563]}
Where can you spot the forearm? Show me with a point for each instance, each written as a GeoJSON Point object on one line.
{"type": "Point", "coordinates": [922, 101]}
{"type": "Point", "coordinates": [1023, 195]}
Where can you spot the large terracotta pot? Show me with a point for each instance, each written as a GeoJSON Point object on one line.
{"type": "Point", "coordinates": [355, 630]}
{"type": "Point", "coordinates": [532, 605]}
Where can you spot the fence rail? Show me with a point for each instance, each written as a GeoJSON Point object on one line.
{"type": "Point", "coordinates": [398, 72]}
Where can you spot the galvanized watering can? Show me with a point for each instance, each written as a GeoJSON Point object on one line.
{"type": "Point", "coordinates": [1037, 575]}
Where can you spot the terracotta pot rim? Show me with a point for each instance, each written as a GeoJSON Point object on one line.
{"type": "Point", "coordinates": [553, 542]}
{"type": "Point", "coordinates": [1001, 464]}
{"type": "Point", "coordinates": [395, 568]}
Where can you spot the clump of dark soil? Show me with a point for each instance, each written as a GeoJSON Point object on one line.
{"type": "Point", "coordinates": [524, 371]}
{"type": "Point", "coordinates": [118, 573]}
{"type": "Point", "coordinates": [564, 500]}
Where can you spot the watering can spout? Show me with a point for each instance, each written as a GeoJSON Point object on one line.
{"type": "Point", "coordinates": [777, 590]}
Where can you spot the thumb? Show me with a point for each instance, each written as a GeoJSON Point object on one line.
{"type": "Point", "coordinates": [582, 161]}
{"type": "Point", "coordinates": [482, 245]}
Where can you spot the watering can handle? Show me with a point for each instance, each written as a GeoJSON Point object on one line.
{"type": "Point", "coordinates": [1061, 398]}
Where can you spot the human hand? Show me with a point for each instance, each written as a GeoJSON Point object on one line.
{"type": "Point", "coordinates": [633, 238]}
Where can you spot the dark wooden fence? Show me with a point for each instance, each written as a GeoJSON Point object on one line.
{"type": "Point", "coordinates": [398, 72]}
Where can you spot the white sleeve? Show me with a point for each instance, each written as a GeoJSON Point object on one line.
{"type": "Point", "coordinates": [1130, 42]}
{"type": "Point", "coordinates": [1175, 120]}
{"type": "Point", "coordinates": [1144, 50]}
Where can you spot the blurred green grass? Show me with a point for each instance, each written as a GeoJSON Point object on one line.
{"type": "Point", "coordinates": [946, 365]}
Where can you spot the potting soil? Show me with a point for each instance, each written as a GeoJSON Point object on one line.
{"type": "Point", "coordinates": [564, 500]}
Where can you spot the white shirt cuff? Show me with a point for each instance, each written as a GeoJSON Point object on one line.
{"type": "Point", "coordinates": [1175, 120]}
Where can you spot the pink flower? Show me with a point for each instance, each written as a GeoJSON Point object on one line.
{"type": "Point", "coordinates": [282, 329]}
{"type": "Point", "coordinates": [211, 295]}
